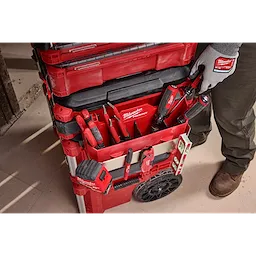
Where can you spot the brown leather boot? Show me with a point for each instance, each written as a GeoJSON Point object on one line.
{"type": "Point", "coordinates": [223, 183]}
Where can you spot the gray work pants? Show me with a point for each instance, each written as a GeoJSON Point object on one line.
{"type": "Point", "coordinates": [232, 104]}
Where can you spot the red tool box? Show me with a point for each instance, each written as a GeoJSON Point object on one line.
{"type": "Point", "coordinates": [65, 52]}
{"type": "Point", "coordinates": [129, 136]}
{"type": "Point", "coordinates": [94, 68]}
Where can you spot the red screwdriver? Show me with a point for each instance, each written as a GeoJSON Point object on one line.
{"type": "Point", "coordinates": [93, 127]}
{"type": "Point", "coordinates": [86, 131]}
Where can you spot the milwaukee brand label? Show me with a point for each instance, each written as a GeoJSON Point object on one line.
{"type": "Point", "coordinates": [89, 184]}
{"type": "Point", "coordinates": [223, 65]}
{"type": "Point", "coordinates": [133, 114]}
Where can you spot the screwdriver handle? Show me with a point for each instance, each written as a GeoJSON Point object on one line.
{"type": "Point", "coordinates": [200, 104]}
{"type": "Point", "coordinates": [93, 127]}
{"type": "Point", "coordinates": [166, 103]}
{"type": "Point", "coordinates": [90, 138]}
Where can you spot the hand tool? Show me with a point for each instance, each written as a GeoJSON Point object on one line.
{"type": "Point", "coordinates": [137, 132]}
{"type": "Point", "coordinates": [113, 132]}
{"type": "Point", "coordinates": [105, 115]}
{"type": "Point", "coordinates": [86, 131]}
{"type": "Point", "coordinates": [122, 128]}
{"type": "Point", "coordinates": [94, 175]}
{"type": "Point", "coordinates": [127, 163]}
{"type": "Point", "coordinates": [201, 102]}
{"type": "Point", "coordinates": [189, 89]}
{"type": "Point", "coordinates": [166, 103]}
{"type": "Point", "coordinates": [93, 127]}
{"type": "Point", "coordinates": [90, 138]}
{"type": "Point", "coordinates": [147, 159]}
{"type": "Point", "coordinates": [165, 108]}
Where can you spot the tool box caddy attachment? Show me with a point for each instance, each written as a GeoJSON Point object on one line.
{"type": "Point", "coordinates": [123, 123]}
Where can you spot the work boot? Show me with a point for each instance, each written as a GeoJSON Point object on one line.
{"type": "Point", "coordinates": [224, 183]}
{"type": "Point", "coordinates": [198, 139]}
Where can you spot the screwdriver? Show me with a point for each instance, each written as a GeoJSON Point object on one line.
{"type": "Point", "coordinates": [93, 127]}
{"type": "Point", "coordinates": [199, 105]}
{"type": "Point", "coordinates": [196, 78]}
{"type": "Point", "coordinates": [127, 163]}
{"type": "Point", "coordinates": [86, 131]}
{"type": "Point", "coordinates": [113, 132]}
{"type": "Point", "coordinates": [166, 103]}
{"type": "Point", "coordinates": [90, 138]}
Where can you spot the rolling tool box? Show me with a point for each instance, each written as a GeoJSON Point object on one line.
{"type": "Point", "coordinates": [121, 111]}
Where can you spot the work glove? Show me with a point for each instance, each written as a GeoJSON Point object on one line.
{"type": "Point", "coordinates": [217, 67]}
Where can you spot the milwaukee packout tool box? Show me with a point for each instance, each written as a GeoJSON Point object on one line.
{"type": "Point", "coordinates": [121, 111]}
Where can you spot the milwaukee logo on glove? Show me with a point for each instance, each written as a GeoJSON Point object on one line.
{"type": "Point", "coordinates": [223, 64]}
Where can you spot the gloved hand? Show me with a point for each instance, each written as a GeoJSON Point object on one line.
{"type": "Point", "coordinates": [217, 67]}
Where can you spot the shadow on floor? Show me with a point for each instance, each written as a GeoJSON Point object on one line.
{"type": "Point", "coordinates": [35, 157]}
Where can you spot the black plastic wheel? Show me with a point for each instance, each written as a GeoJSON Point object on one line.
{"type": "Point", "coordinates": [159, 186]}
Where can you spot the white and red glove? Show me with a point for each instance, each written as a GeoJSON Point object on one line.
{"type": "Point", "coordinates": [217, 67]}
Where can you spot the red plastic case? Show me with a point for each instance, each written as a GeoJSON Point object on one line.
{"type": "Point", "coordinates": [53, 57]}
{"type": "Point", "coordinates": [71, 79]}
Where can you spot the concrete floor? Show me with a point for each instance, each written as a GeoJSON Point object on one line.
{"type": "Point", "coordinates": [35, 179]}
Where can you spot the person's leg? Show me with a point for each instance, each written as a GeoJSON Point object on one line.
{"type": "Point", "coordinates": [233, 102]}
{"type": "Point", "coordinates": [200, 124]}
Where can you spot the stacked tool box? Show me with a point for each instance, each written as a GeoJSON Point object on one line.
{"type": "Point", "coordinates": [104, 100]}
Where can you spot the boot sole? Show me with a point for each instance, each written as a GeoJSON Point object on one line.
{"type": "Point", "coordinates": [214, 193]}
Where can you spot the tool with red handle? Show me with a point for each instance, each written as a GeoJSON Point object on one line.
{"type": "Point", "coordinates": [93, 127]}
{"type": "Point", "coordinates": [127, 163]}
{"type": "Point", "coordinates": [196, 79]}
{"type": "Point", "coordinates": [167, 106]}
{"type": "Point", "coordinates": [90, 138]}
{"type": "Point", "coordinates": [86, 131]}
{"type": "Point", "coordinates": [121, 124]}
{"type": "Point", "coordinates": [166, 103]}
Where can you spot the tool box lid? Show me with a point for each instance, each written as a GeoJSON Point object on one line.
{"type": "Point", "coordinates": [123, 89]}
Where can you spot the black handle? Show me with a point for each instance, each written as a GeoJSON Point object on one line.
{"type": "Point", "coordinates": [202, 102]}
{"type": "Point", "coordinates": [128, 158]}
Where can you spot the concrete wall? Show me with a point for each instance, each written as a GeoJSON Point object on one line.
{"type": "Point", "coordinates": [23, 72]}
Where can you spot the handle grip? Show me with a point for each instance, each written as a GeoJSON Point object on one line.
{"type": "Point", "coordinates": [202, 102]}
